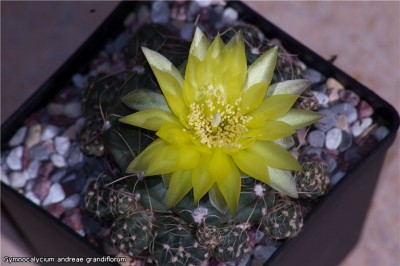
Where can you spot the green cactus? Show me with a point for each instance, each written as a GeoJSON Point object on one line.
{"type": "Point", "coordinates": [233, 244]}
{"type": "Point", "coordinates": [132, 235]}
{"type": "Point", "coordinates": [284, 220]}
{"type": "Point", "coordinates": [175, 244]}
{"type": "Point", "coordinates": [97, 197]}
{"type": "Point", "coordinates": [313, 181]}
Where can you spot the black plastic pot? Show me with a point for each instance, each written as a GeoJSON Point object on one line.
{"type": "Point", "coordinates": [331, 229]}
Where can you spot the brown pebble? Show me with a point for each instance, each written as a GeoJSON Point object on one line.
{"type": "Point", "coordinates": [56, 210]}
{"type": "Point", "coordinates": [73, 219]}
{"type": "Point", "coordinates": [41, 188]}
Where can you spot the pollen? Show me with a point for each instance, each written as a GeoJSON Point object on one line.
{"type": "Point", "coordinates": [215, 122]}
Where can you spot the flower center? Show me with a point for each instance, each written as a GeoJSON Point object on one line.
{"type": "Point", "coordinates": [215, 122]}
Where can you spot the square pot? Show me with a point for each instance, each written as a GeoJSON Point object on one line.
{"type": "Point", "coordinates": [333, 218]}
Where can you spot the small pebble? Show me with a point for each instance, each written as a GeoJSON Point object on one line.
{"type": "Point", "coordinates": [32, 197]}
{"type": "Point", "coordinates": [70, 133]}
{"type": "Point", "coordinates": [75, 156]}
{"type": "Point", "coordinates": [263, 253]}
{"type": "Point", "coordinates": [259, 235]}
{"type": "Point", "coordinates": [381, 132]}
{"type": "Point", "coordinates": [58, 160]}
{"type": "Point", "coordinates": [55, 108]}
{"type": "Point", "coordinates": [316, 138]}
{"type": "Point", "coordinates": [346, 109]}
{"type": "Point", "coordinates": [33, 136]}
{"type": "Point", "coordinates": [203, 3]}
{"type": "Point", "coordinates": [79, 81]}
{"type": "Point", "coordinates": [55, 195]}
{"type": "Point", "coordinates": [58, 175]}
{"type": "Point", "coordinates": [69, 178]}
{"type": "Point", "coordinates": [364, 109]}
{"type": "Point", "coordinates": [130, 19]}
{"type": "Point", "coordinates": [109, 248]}
{"type": "Point", "coordinates": [46, 168]}
{"type": "Point", "coordinates": [29, 185]}
{"type": "Point", "coordinates": [313, 75]}
{"type": "Point", "coordinates": [347, 141]}
{"type": "Point", "coordinates": [360, 126]}
{"type": "Point", "coordinates": [337, 177]}
{"type": "Point", "coordinates": [334, 88]}
{"type": "Point", "coordinates": [333, 138]}
{"type": "Point", "coordinates": [49, 132]}
{"type": "Point", "coordinates": [342, 122]}
{"type": "Point", "coordinates": [160, 12]}
{"type": "Point", "coordinates": [14, 159]}
{"type": "Point", "coordinates": [41, 188]}
{"type": "Point", "coordinates": [18, 137]}
{"type": "Point", "coordinates": [41, 152]}
{"type": "Point", "coordinates": [73, 219]}
{"type": "Point", "coordinates": [327, 122]}
{"type": "Point", "coordinates": [245, 261]}
{"type": "Point", "coordinates": [187, 31]}
{"type": "Point", "coordinates": [56, 210]}
{"type": "Point", "coordinates": [229, 16]}
{"type": "Point", "coordinates": [61, 145]}
{"type": "Point", "coordinates": [73, 109]}
{"type": "Point", "coordinates": [33, 168]}
{"type": "Point", "coordinates": [4, 177]}
{"type": "Point", "coordinates": [18, 179]}
{"type": "Point", "coordinates": [192, 11]}
{"type": "Point", "coordinates": [330, 162]}
{"type": "Point", "coordinates": [322, 98]}
{"type": "Point", "coordinates": [71, 202]}
{"type": "Point", "coordinates": [349, 97]}
{"type": "Point", "coordinates": [143, 15]}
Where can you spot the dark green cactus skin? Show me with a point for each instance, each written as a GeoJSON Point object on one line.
{"type": "Point", "coordinates": [233, 244]}
{"type": "Point", "coordinates": [97, 197]}
{"type": "Point", "coordinates": [283, 221]}
{"type": "Point", "coordinates": [307, 101]}
{"type": "Point", "coordinates": [90, 140]}
{"type": "Point", "coordinates": [175, 243]}
{"type": "Point", "coordinates": [132, 235]}
{"type": "Point", "coordinates": [313, 181]}
{"type": "Point", "coordinates": [122, 202]}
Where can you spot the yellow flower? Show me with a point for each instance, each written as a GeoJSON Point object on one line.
{"type": "Point", "coordinates": [219, 122]}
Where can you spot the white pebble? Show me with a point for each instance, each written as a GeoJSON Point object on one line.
{"type": "Point", "coordinates": [32, 197]}
{"type": "Point", "coordinates": [49, 132]}
{"type": "Point", "coordinates": [73, 109]}
{"type": "Point", "coordinates": [71, 202]}
{"type": "Point", "coordinates": [58, 160]}
{"type": "Point", "coordinates": [14, 159]}
{"type": "Point", "coordinates": [4, 177]}
{"type": "Point", "coordinates": [18, 137]}
{"type": "Point", "coordinates": [55, 195]}
{"type": "Point", "coordinates": [62, 145]}
{"type": "Point", "coordinates": [230, 15]}
{"type": "Point", "coordinates": [79, 81]}
{"type": "Point", "coordinates": [360, 126]}
{"type": "Point", "coordinates": [333, 138]}
{"type": "Point", "coordinates": [316, 138]}
{"type": "Point", "coordinates": [381, 132]}
{"type": "Point", "coordinates": [322, 98]}
{"type": "Point", "coordinates": [33, 168]}
{"type": "Point", "coordinates": [18, 179]}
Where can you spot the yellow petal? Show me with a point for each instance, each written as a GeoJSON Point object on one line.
{"type": "Point", "coordinates": [274, 155]}
{"type": "Point", "coordinates": [143, 99]}
{"type": "Point", "coordinates": [253, 96]}
{"type": "Point", "coordinates": [217, 199]}
{"type": "Point", "coordinates": [262, 69]}
{"type": "Point", "coordinates": [141, 162]}
{"type": "Point", "coordinates": [299, 118]}
{"type": "Point", "coordinates": [174, 134]}
{"type": "Point", "coordinates": [179, 185]}
{"type": "Point", "coordinates": [252, 165]}
{"type": "Point", "coordinates": [219, 165]}
{"type": "Point", "coordinates": [164, 161]}
{"type": "Point", "coordinates": [188, 157]}
{"type": "Point", "coordinates": [275, 106]}
{"type": "Point", "coordinates": [272, 130]}
{"type": "Point", "coordinates": [202, 181]}
{"type": "Point", "coordinates": [296, 86]}
{"type": "Point", "coordinates": [199, 45]}
{"type": "Point", "coordinates": [151, 119]}
{"type": "Point", "coordinates": [283, 182]}
{"type": "Point", "coordinates": [169, 78]}
{"type": "Point", "coordinates": [233, 68]}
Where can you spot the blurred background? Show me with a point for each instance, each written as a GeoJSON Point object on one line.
{"type": "Point", "coordinates": [37, 37]}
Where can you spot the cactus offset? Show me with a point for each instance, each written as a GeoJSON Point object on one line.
{"type": "Point", "coordinates": [313, 181]}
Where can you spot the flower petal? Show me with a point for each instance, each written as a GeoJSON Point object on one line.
{"type": "Point", "coordinates": [169, 78]}
{"type": "Point", "coordinates": [253, 96]}
{"type": "Point", "coordinates": [217, 199]}
{"type": "Point", "coordinates": [164, 161]}
{"type": "Point", "coordinates": [199, 44]}
{"type": "Point", "coordinates": [202, 181]}
{"type": "Point", "coordinates": [188, 157]}
{"type": "Point", "coordinates": [274, 155]}
{"type": "Point", "coordinates": [286, 142]}
{"type": "Point", "coordinates": [179, 185]}
{"type": "Point", "coordinates": [151, 119]}
{"type": "Point", "coordinates": [262, 69]}
{"type": "Point", "coordinates": [272, 130]}
{"type": "Point", "coordinates": [141, 162]}
{"type": "Point", "coordinates": [143, 99]}
{"type": "Point", "coordinates": [275, 106]}
{"type": "Point", "coordinates": [251, 164]}
{"type": "Point", "coordinates": [173, 134]}
{"type": "Point", "coordinates": [299, 118]}
{"type": "Point", "coordinates": [296, 86]}
{"type": "Point", "coordinates": [283, 182]}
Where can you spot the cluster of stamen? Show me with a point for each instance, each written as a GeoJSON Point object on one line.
{"type": "Point", "coordinates": [215, 122]}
